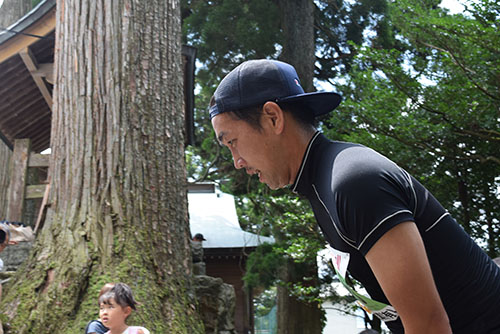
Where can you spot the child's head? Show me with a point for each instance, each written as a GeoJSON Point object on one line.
{"type": "Point", "coordinates": [116, 305]}
{"type": "Point", "coordinates": [105, 288]}
{"type": "Point", "coordinates": [121, 293]}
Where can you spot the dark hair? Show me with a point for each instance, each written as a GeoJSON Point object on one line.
{"type": "Point", "coordinates": [121, 293]}
{"type": "Point", "coordinates": [105, 288]}
{"type": "Point", "coordinates": [4, 231]}
{"type": "Point", "coordinates": [299, 112]}
{"type": "Point", "coordinates": [250, 115]}
{"type": "Point", "coordinates": [3, 236]}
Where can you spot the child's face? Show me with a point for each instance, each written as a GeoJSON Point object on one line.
{"type": "Point", "coordinates": [113, 315]}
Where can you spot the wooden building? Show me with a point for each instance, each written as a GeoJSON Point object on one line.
{"type": "Point", "coordinates": [26, 85]}
{"type": "Point", "coordinates": [213, 214]}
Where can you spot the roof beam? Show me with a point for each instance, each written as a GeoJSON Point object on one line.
{"type": "Point", "coordinates": [41, 27]}
{"type": "Point", "coordinates": [31, 64]}
{"type": "Point", "coordinates": [47, 71]}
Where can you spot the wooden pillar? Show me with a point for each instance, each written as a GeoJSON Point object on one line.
{"type": "Point", "coordinates": [17, 186]}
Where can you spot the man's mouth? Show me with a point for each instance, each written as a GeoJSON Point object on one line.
{"type": "Point", "coordinates": [252, 171]}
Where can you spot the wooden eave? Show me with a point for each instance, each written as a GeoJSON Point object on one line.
{"type": "Point", "coordinates": [25, 93]}
{"type": "Point", "coordinates": [26, 70]}
{"type": "Point", "coordinates": [226, 253]}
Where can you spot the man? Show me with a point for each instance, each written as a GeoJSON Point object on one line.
{"type": "Point", "coordinates": [199, 237]}
{"type": "Point", "coordinates": [401, 244]}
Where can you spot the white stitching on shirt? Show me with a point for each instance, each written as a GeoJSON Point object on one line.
{"type": "Point", "coordinates": [381, 222]}
{"type": "Point", "coordinates": [412, 189]}
{"type": "Point", "coordinates": [346, 239]}
{"type": "Point", "coordinates": [437, 221]}
{"type": "Point", "coordinates": [305, 160]}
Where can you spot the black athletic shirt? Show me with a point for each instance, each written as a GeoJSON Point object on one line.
{"type": "Point", "coordinates": [357, 195]}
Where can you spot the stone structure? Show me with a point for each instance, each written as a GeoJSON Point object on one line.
{"type": "Point", "coordinates": [14, 255]}
{"type": "Point", "coordinates": [216, 302]}
{"type": "Point", "coordinates": [199, 266]}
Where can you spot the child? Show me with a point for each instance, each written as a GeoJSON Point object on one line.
{"type": "Point", "coordinates": [115, 307]}
{"type": "Point", "coordinates": [96, 326]}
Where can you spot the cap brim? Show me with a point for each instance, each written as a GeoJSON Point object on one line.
{"type": "Point", "coordinates": [318, 102]}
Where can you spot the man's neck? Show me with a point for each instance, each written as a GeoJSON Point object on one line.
{"type": "Point", "coordinates": [302, 139]}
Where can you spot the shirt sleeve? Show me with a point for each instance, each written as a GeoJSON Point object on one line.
{"type": "Point", "coordinates": [96, 326]}
{"type": "Point", "coordinates": [372, 195]}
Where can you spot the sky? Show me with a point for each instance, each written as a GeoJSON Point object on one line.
{"type": "Point", "coordinates": [453, 5]}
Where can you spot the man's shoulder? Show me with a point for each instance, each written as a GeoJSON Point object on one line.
{"type": "Point", "coordinates": [358, 162]}
{"type": "Point", "coordinates": [346, 154]}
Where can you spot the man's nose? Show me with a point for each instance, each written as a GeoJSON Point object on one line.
{"type": "Point", "coordinates": [239, 162]}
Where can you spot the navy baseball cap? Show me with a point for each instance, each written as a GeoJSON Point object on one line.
{"type": "Point", "coordinates": [255, 82]}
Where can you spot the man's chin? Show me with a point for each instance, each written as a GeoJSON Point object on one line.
{"type": "Point", "coordinates": [273, 186]}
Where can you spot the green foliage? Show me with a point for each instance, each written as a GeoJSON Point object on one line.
{"type": "Point", "coordinates": [262, 266]}
{"type": "Point", "coordinates": [342, 23]}
{"type": "Point", "coordinates": [226, 32]}
{"type": "Point", "coordinates": [433, 107]}
{"type": "Point", "coordinates": [419, 85]}
{"type": "Point", "coordinates": [265, 302]}
{"type": "Point", "coordinates": [292, 223]}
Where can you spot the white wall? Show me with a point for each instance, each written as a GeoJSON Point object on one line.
{"type": "Point", "coordinates": [338, 322]}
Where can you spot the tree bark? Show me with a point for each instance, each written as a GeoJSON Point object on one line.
{"type": "Point", "coordinates": [297, 22]}
{"type": "Point", "coordinates": [293, 315]}
{"type": "Point", "coordinates": [118, 195]}
{"type": "Point", "coordinates": [13, 10]}
{"type": "Point", "coordinates": [5, 155]}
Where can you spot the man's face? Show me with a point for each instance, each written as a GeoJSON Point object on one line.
{"type": "Point", "coordinates": [252, 149]}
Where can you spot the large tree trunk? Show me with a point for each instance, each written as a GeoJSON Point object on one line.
{"type": "Point", "coordinates": [118, 204]}
{"type": "Point", "coordinates": [297, 21]}
{"type": "Point", "coordinates": [13, 10]}
{"type": "Point", "coordinates": [295, 316]}
{"type": "Point", "coordinates": [5, 155]}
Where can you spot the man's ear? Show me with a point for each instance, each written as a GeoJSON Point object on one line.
{"type": "Point", "coordinates": [273, 114]}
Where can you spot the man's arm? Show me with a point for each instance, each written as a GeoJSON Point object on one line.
{"type": "Point", "coordinates": [399, 262]}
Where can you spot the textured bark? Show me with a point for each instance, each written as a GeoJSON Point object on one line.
{"type": "Point", "coordinates": [13, 10]}
{"type": "Point", "coordinates": [293, 315]}
{"type": "Point", "coordinates": [5, 155]}
{"type": "Point", "coordinates": [297, 22]}
{"type": "Point", "coordinates": [118, 203]}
